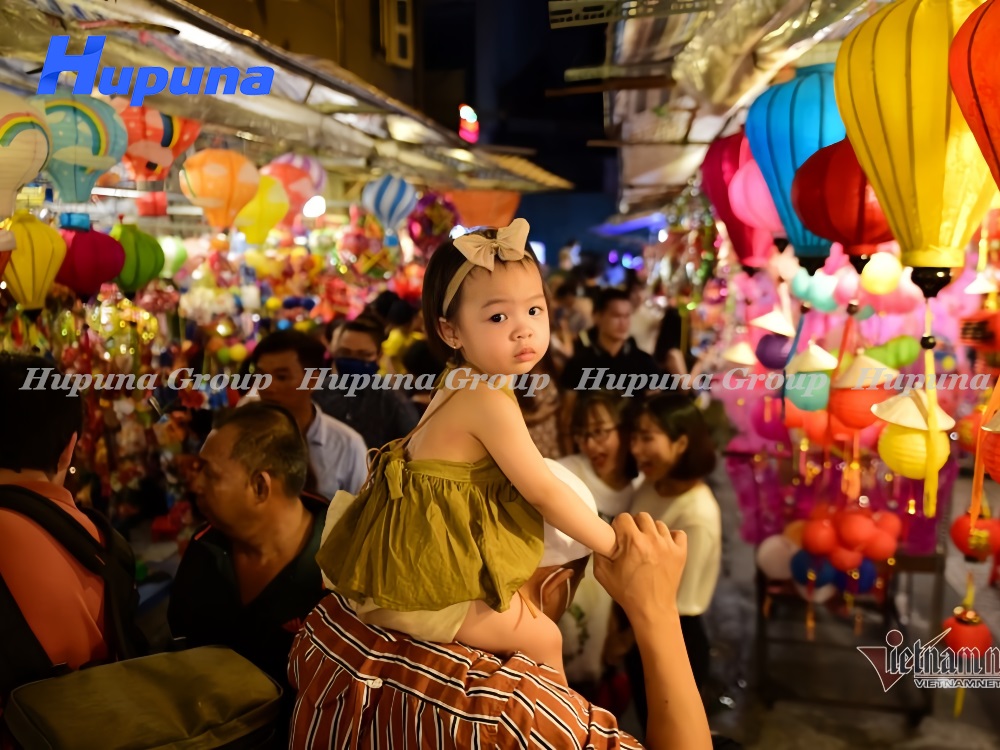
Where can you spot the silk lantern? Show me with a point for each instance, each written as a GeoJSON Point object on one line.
{"type": "Point", "coordinates": [858, 388]}
{"type": "Point", "coordinates": [88, 138]}
{"type": "Point", "coordinates": [25, 144]}
{"type": "Point", "coordinates": [264, 211]}
{"type": "Point", "coordinates": [722, 160]}
{"type": "Point", "coordinates": [308, 164]}
{"type": "Point", "coordinates": [809, 385]}
{"type": "Point", "coordinates": [390, 199]}
{"type": "Point", "coordinates": [144, 257]}
{"type": "Point", "coordinates": [175, 255]}
{"type": "Point", "coordinates": [34, 262]}
{"type": "Point", "coordinates": [786, 125]}
{"type": "Point", "coordinates": [750, 200]}
{"type": "Point", "coordinates": [155, 140]}
{"type": "Point", "coordinates": [834, 199]}
{"type": "Point", "coordinates": [92, 258]}
{"type": "Point", "coordinates": [221, 182]}
{"type": "Point", "coordinates": [297, 184]}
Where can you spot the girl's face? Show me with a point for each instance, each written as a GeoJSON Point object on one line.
{"type": "Point", "coordinates": [600, 441]}
{"type": "Point", "coordinates": [655, 453]}
{"type": "Point", "coordinates": [502, 325]}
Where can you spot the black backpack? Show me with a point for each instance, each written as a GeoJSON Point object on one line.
{"type": "Point", "coordinates": [22, 657]}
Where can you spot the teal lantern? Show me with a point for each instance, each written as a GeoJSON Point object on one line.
{"type": "Point", "coordinates": [807, 380]}
{"type": "Point", "coordinates": [88, 138]}
{"type": "Point", "coordinates": [786, 125]}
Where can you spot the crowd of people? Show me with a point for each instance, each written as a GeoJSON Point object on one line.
{"type": "Point", "coordinates": [431, 621]}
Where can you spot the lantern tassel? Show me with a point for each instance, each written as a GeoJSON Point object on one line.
{"type": "Point", "coordinates": [976, 501]}
{"type": "Point", "coordinates": [852, 472]}
{"type": "Point", "coordinates": [968, 602]}
{"type": "Point", "coordinates": [930, 472]}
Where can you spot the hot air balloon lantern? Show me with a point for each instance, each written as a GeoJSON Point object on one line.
{"type": "Point", "coordinates": [25, 144]}
{"type": "Point", "coordinates": [92, 258]}
{"type": "Point", "coordinates": [834, 199]}
{"type": "Point", "coordinates": [298, 186]}
{"type": "Point", "coordinates": [264, 211]}
{"type": "Point", "coordinates": [155, 140]}
{"type": "Point", "coordinates": [786, 125]}
{"type": "Point", "coordinates": [144, 257]}
{"type": "Point", "coordinates": [88, 138]}
{"type": "Point", "coordinates": [390, 199]}
{"type": "Point", "coordinates": [894, 94]}
{"type": "Point", "coordinates": [753, 246]}
{"type": "Point", "coordinates": [38, 252]}
{"type": "Point", "coordinates": [750, 200]}
{"type": "Point", "coordinates": [308, 164]}
{"type": "Point", "coordinates": [221, 182]}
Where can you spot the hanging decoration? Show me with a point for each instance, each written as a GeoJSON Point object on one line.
{"type": "Point", "coordinates": [92, 258]}
{"type": "Point", "coordinates": [25, 145]}
{"type": "Point", "coordinates": [88, 138]}
{"type": "Point", "coordinates": [308, 164]}
{"type": "Point", "coordinates": [753, 246]}
{"type": "Point", "coordinates": [786, 125]}
{"type": "Point", "coordinates": [297, 184]}
{"type": "Point", "coordinates": [39, 251]}
{"type": "Point", "coordinates": [221, 182]}
{"type": "Point", "coordinates": [390, 200]}
{"type": "Point", "coordinates": [262, 214]}
{"type": "Point", "coordinates": [155, 140]}
{"type": "Point", "coordinates": [144, 257]}
{"type": "Point", "coordinates": [175, 255]}
{"type": "Point", "coordinates": [834, 199]}
{"type": "Point", "coordinates": [750, 200]}
{"type": "Point", "coordinates": [431, 221]}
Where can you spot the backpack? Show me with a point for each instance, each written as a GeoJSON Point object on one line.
{"type": "Point", "coordinates": [208, 697]}
{"type": "Point", "coordinates": [22, 658]}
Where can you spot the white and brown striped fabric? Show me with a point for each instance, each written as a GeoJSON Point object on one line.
{"type": "Point", "coordinates": [362, 687]}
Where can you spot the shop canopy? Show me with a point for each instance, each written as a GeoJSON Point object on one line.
{"type": "Point", "coordinates": [315, 107]}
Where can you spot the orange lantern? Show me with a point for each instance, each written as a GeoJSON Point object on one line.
{"type": "Point", "coordinates": [220, 182]}
{"type": "Point", "coordinates": [858, 389]}
{"type": "Point", "coordinates": [488, 208]}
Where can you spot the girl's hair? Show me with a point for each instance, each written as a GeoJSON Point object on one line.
{"type": "Point", "coordinates": [441, 269]}
{"type": "Point", "coordinates": [678, 415]}
{"type": "Point", "coordinates": [617, 407]}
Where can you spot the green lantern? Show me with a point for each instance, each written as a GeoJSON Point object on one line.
{"type": "Point", "coordinates": [143, 257]}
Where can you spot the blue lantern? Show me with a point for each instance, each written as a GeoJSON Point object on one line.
{"type": "Point", "coordinates": [390, 200]}
{"type": "Point", "coordinates": [786, 125]}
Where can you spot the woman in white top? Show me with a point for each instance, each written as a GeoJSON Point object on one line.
{"type": "Point", "coordinates": [673, 447]}
{"type": "Point", "coordinates": [607, 469]}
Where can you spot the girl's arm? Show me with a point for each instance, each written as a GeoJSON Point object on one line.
{"type": "Point", "coordinates": [495, 421]}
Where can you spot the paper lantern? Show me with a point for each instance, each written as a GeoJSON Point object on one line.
{"type": "Point", "coordinates": [92, 258]}
{"type": "Point", "coordinates": [749, 197]}
{"type": "Point", "coordinates": [909, 134]}
{"type": "Point", "coordinates": [774, 557]}
{"type": "Point", "coordinates": [773, 350]}
{"type": "Point", "coordinates": [175, 255]}
{"type": "Point", "coordinates": [819, 537]}
{"type": "Point", "coordinates": [485, 208]}
{"type": "Point", "coordinates": [880, 546]}
{"type": "Point", "coordinates": [390, 200]}
{"type": "Point", "coordinates": [808, 568]}
{"type": "Point", "coordinates": [722, 160]}
{"type": "Point", "coordinates": [88, 138]}
{"type": "Point", "coordinates": [858, 388]}
{"type": "Point", "coordinates": [882, 274]}
{"type": "Point", "coordinates": [904, 450]}
{"type": "Point", "coordinates": [977, 543]}
{"type": "Point", "coordinates": [221, 183]}
{"type": "Point", "coordinates": [144, 257]}
{"type": "Point", "coordinates": [297, 184]}
{"type": "Point", "coordinates": [967, 631]}
{"type": "Point", "coordinates": [834, 199]}
{"type": "Point", "coordinates": [25, 144]}
{"type": "Point", "coordinates": [308, 164]}
{"type": "Point", "coordinates": [854, 529]}
{"type": "Point", "coordinates": [786, 125]}
{"type": "Point", "coordinates": [807, 382]}
{"type": "Point", "coordinates": [845, 560]}
{"type": "Point", "coordinates": [264, 211]}
{"type": "Point", "coordinates": [155, 140]}
{"type": "Point", "coordinates": [34, 262]}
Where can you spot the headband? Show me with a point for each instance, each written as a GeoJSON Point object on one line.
{"type": "Point", "coordinates": [481, 251]}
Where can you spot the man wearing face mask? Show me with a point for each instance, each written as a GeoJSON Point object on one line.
{"type": "Point", "coordinates": [379, 415]}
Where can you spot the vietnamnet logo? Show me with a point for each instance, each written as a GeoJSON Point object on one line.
{"type": "Point", "coordinates": [148, 80]}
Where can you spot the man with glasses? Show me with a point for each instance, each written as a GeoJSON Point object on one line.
{"type": "Point", "coordinates": [379, 415]}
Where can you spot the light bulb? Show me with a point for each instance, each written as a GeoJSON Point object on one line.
{"type": "Point", "coordinates": [315, 207]}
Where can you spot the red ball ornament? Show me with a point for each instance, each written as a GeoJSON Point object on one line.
{"type": "Point", "coordinates": [819, 537]}
{"type": "Point", "coordinates": [855, 529]}
{"type": "Point", "coordinates": [880, 546]}
{"type": "Point", "coordinates": [888, 522]}
{"type": "Point", "coordinates": [845, 560]}
{"type": "Point", "coordinates": [832, 196]}
{"type": "Point", "coordinates": [967, 631]}
{"type": "Point", "coordinates": [92, 258]}
{"type": "Point", "coordinates": [979, 543]}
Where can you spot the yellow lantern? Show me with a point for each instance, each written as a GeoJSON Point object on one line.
{"type": "Point", "coordinates": [909, 134]}
{"type": "Point", "coordinates": [264, 211]}
{"type": "Point", "coordinates": [39, 250]}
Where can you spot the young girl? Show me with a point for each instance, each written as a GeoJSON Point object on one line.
{"type": "Point", "coordinates": [448, 526]}
{"type": "Point", "coordinates": [672, 445]}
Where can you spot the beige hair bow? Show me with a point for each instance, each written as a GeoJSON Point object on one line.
{"type": "Point", "coordinates": [482, 251]}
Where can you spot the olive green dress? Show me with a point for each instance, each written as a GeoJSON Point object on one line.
{"type": "Point", "coordinates": [429, 535]}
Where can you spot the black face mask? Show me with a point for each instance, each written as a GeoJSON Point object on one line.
{"type": "Point", "coordinates": [352, 366]}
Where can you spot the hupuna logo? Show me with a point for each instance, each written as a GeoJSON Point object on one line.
{"type": "Point", "coordinates": [147, 80]}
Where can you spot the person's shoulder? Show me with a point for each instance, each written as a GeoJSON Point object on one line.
{"type": "Point", "coordinates": [334, 429]}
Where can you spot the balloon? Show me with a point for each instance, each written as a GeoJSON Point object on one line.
{"type": "Point", "coordinates": [390, 199]}
{"type": "Point", "coordinates": [38, 252]}
{"type": "Point", "coordinates": [845, 559]}
{"type": "Point", "coordinates": [881, 274]}
{"type": "Point", "coordinates": [220, 182]}
{"type": "Point", "coordinates": [909, 135]}
{"type": "Point", "coordinates": [774, 557]}
{"type": "Point", "coordinates": [25, 143]}
{"type": "Point", "coordinates": [264, 211]}
{"type": "Point", "coordinates": [854, 528]}
{"type": "Point", "coordinates": [819, 537]}
{"type": "Point", "coordinates": [803, 565]}
{"type": "Point", "coordinates": [880, 546]}
{"type": "Point", "coordinates": [786, 125]}
{"type": "Point", "coordinates": [92, 258]}
{"type": "Point", "coordinates": [88, 138]}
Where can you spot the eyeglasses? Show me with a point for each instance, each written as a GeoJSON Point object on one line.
{"type": "Point", "coordinates": [600, 435]}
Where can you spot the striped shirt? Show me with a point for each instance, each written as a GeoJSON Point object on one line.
{"type": "Point", "coordinates": [362, 687]}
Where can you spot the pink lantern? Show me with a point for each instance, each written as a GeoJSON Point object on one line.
{"type": "Point", "coordinates": [750, 197]}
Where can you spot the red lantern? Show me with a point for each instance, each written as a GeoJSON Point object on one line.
{"type": "Point", "coordinates": [968, 429]}
{"type": "Point", "coordinates": [888, 522]}
{"type": "Point", "coordinates": [845, 560]}
{"type": "Point", "coordinates": [853, 406]}
{"type": "Point", "coordinates": [753, 246]}
{"type": "Point", "coordinates": [880, 546]}
{"type": "Point", "coordinates": [967, 631]}
{"type": "Point", "coordinates": [92, 258]}
{"type": "Point", "coordinates": [834, 199]}
{"type": "Point", "coordinates": [819, 537]}
{"type": "Point", "coordinates": [979, 543]}
{"type": "Point", "coordinates": [972, 70]}
{"type": "Point", "coordinates": [990, 446]}
{"type": "Point", "coordinates": [854, 528]}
